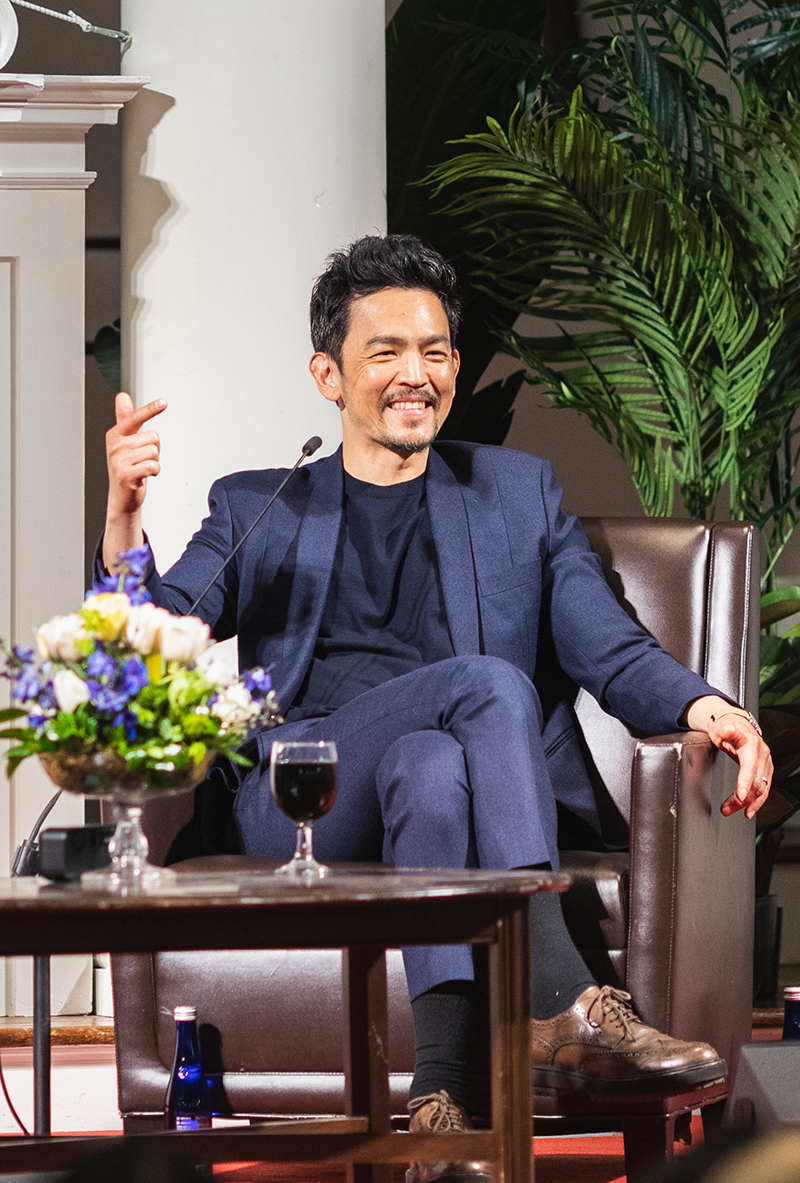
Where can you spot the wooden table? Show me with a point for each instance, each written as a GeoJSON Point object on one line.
{"type": "Point", "coordinates": [362, 911]}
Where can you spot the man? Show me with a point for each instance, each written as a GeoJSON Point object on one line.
{"type": "Point", "coordinates": [399, 589]}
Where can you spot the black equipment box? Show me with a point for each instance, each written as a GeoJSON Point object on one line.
{"type": "Point", "coordinates": [66, 851]}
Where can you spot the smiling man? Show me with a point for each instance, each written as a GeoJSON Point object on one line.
{"type": "Point", "coordinates": [393, 378]}
{"type": "Point", "coordinates": [399, 588]}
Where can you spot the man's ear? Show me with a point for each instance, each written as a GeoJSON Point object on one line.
{"type": "Point", "coordinates": [327, 376]}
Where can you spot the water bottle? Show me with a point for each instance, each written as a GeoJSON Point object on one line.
{"type": "Point", "coordinates": [791, 1012]}
{"type": "Point", "coordinates": [187, 1103]}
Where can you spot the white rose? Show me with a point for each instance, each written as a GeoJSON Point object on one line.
{"type": "Point", "coordinates": [144, 626]}
{"type": "Point", "coordinates": [70, 690]}
{"type": "Point", "coordinates": [216, 669]}
{"type": "Point", "coordinates": [235, 707]}
{"type": "Point", "coordinates": [58, 638]}
{"type": "Point", "coordinates": [183, 638]}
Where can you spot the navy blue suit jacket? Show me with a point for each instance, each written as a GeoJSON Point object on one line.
{"type": "Point", "coordinates": [518, 578]}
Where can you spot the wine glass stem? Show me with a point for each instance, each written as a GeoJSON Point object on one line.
{"type": "Point", "coordinates": [303, 850]}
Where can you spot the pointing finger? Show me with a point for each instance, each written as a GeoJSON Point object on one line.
{"type": "Point", "coordinates": [123, 406]}
{"type": "Point", "coordinates": [130, 418]}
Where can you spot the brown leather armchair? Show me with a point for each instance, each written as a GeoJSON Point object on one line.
{"type": "Point", "coordinates": [673, 923]}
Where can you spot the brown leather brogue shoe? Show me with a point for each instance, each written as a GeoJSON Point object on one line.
{"type": "Point", "coordinates": [600, 1045]}
{"type": "Point", "coordinates": [434, 1114]}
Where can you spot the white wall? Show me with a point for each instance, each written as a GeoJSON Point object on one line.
{"type": "Point", "coordinates": [258, 148]}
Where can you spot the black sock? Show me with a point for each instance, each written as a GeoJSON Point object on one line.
{"type": "Point", "coordinates": [558, 972]}
{"type": "Point", "coordinates": [444, 1023]}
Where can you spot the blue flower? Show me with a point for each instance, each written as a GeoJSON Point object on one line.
{"type": "Point", "coordinates": [128, 720]}
{"type": "Point", "coordinates": [26, 684]}
{"type": "Point", "coordinates": [136, 559]}
{"type": "Point", "coordinates": [22, 673]}
{"type": "Point", "coordinates": [136, 593]}
{"type": "Point", "coordinates": [46, 697]}
{"type": "Point", "coordinates": [107, 698]}
{"type": "Point", "coordinates": [100, 665]}
{"type": "Point", "coordinates": [258, 682]}
{"type": "Point", "coordinates": [108, 583]}
{"type": "Point", "coordinates": [133, 564]}
{"type": "Point", "coordinates": [134, 676]}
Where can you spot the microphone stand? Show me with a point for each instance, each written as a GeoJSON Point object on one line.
{"type": "Point", "coordinates": [26, 862]}
{"type": "Point", "coordinates": [309, 448]}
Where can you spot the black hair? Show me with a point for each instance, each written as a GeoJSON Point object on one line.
{"type": "Point", "coordinates": [370, 265]}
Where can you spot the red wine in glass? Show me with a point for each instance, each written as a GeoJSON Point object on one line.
{"type": "Point", "coordinates": [305, 791]}
{"type": "Point", "coordinates": [303, 779]}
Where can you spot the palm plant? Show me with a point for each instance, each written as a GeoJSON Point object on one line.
{"type": "Point", "coordinates": [660, 203]}
{"type": "Point", "coordinates": [672, 220]}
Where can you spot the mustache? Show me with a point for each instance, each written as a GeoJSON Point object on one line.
{"type": "Point", "coordinates": [430, 397]}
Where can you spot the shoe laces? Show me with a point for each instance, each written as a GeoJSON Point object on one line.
{"type": "Point", "coordinates": [615, 1004]}
{"type": "Point", "coordinates": [446, 1116]}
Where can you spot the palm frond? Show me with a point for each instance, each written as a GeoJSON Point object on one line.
{"type": "Point", "coordinates": [566, 224]}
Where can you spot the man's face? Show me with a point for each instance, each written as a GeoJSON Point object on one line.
{"type": "Point", "coordinates": [396, 383]}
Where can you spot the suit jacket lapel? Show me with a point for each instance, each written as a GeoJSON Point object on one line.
{"type": "Point", "coordinates": [451, 536]}
{"type": "Point", "coordinates": [316, 550]}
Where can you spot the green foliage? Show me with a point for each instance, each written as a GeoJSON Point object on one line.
{"type": "Point", "coordinates": [170, 714]}
{"type": "Point", "coordinates": [107, 352]}
{"type": "Point", "coordinates": [779, 604]}
{"type": "Point", "coordinates": [662, 203]}
{"type": "Point", "coordinates": [779, 702]}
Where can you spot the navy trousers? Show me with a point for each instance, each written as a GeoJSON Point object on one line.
{"type": "Point", "coordinates": [442, 767]}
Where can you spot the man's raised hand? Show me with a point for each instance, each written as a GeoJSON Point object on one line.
{"type": "Point", "coordinates": [132, 456]}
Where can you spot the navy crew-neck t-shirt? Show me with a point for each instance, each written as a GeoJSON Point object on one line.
{"type": "Point", "coordinates": [384, 614]}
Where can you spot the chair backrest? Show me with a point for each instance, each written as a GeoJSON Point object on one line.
{"type": "Point", "coordinates": [695, 587]}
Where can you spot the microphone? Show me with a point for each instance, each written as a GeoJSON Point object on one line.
{"type": "Point", "coordinates": [309, 448]}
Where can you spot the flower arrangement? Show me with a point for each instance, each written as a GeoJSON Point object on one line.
{"type": "Point", "coordinates": [124, 676]}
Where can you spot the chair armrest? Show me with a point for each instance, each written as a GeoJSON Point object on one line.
{"type": "Point", "coordinates": [141, 1078]}
{"type": "Point", "coordinates": [690, 946]}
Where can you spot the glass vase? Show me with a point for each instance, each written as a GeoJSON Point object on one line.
{"type": "Point", "coordinates": [104, 774]}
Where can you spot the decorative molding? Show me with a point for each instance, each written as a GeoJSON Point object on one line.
{"type": "Point", "coordinates": [46, 180]}
{"type": "Point", "coordinates": [109, 90]}
{"type": "Point", "coordinates": [20, 88]}
{"type": "Point", "coordinates": [76, 100]}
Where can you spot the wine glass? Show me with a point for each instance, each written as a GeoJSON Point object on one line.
{"type": "Point", "coordinates": [303, 779]}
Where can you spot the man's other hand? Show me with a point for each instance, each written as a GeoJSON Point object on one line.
{"type": "Point", "coordinates": [132, 456]}
{"type": "Point", "coordinates": [729, 729]}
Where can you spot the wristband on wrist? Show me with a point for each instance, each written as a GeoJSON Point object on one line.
{"type": "Point", "coordinates": [742, 715]}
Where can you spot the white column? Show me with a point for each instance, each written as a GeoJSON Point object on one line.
{"type": "Point", "coordinates": [258, 148]}
{"type": "Point", "coordinates": [43, 121]}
